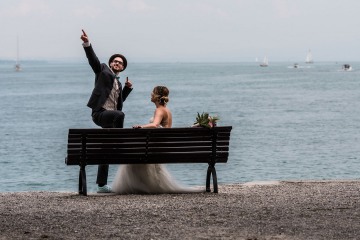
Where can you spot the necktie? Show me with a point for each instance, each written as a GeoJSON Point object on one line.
{"type": "Point", "coordinates": [117, 82]}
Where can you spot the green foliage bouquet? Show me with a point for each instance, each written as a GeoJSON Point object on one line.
{"type": "Point", "coordinates": [205, 120]}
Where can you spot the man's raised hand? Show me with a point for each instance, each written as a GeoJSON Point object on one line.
{"type": "Point", "coordinates": [84, 37]}
{"type": "Point", "coordinates": [128, 83]}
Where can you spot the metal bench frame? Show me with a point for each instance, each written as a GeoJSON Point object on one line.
{"type": "Point", "coordinates": [148, 146]}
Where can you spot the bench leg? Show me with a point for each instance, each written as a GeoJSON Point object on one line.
{"type": "Point", "coordinates": [82, 181]}
{"type": "Point", "coordinates": [214, 180]}
{"type": "Point", "coordinates": [211, 171]}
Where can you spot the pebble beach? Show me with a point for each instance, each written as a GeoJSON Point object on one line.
{"type": "Point", "coordinates": [254, 210]}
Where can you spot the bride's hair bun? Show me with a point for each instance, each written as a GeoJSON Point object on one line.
{"type": "Point", "coordinates": [161, 94]}
{"type": "Point", "coordinates": [163, 100]}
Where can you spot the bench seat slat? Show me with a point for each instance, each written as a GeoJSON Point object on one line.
{"type": "Point", "coordinates": [122, 138]}
{"type": "Point", "coordinates": [160, 130]}
{"type": "Point", "coordinates": [152, 158]}
{"type": "Point", "coordinates": [118, 158]}
{"type": "Point", "coordinates": [119, 137]}
{"type": "Point", "coordinates": [108, 145]}
{"type": "Point", "coordinates": [143, 144]}
{"type": "Point", "coordinates": [134, 149]}
{"type": "Point", "coordinates": [151, 139]}
{"type": "Point", "coordinates": [156, 161]}
{"type": "Point", "coordinates": [107, 140]}
{"type": "Point", "coordinates": [184, 144]}
{"type": "Point", "coordinates": [130, 160]}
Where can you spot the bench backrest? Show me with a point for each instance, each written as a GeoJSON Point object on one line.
{"type": "Point", "coordinates": [148, 145]}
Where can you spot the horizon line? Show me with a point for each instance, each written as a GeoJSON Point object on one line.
{"type": "Point", "coordinates": [174, 61]}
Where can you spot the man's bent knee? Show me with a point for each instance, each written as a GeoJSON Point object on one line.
{"type": "Point", "coordinates": [119, 120]}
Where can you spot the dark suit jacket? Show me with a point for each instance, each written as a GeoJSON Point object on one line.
{"type": "Point", "coordinates": [104, 80]}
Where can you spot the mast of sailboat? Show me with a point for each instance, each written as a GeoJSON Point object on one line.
{"type": "Point", "coordinates": [17, 49]}
{"type": "Point", "coordinates": [17, 65]}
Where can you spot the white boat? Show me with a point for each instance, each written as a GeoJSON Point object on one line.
{"type": "Point", "coordinates": [265, 62]}
{"type": "Point", "coordinates": [347, 67]}
{"type": "Point", "coordinates": [309, 58]}
{"type": "Point", "coordinates": [17, 65]}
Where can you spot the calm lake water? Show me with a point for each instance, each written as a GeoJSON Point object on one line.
{"type": "Point", "coordinates": [288, 124]}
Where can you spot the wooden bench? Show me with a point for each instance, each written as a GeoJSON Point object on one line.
{"type": "Point", "coordinates": [148, 146]}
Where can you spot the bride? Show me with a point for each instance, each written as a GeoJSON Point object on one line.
{"type": "Point", "coordinates": [150, 178]}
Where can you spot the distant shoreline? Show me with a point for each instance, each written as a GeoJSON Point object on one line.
{"type": "Point", "coordinates": [255, 210]}
{"type": "Point", "coordinates": [82, 60]}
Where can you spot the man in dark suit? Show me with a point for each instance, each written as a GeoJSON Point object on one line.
{"type": "Point", "coordinates": [106, 100]}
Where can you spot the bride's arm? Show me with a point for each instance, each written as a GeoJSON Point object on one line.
{"type": "Point", "coordinates": [158, 117]}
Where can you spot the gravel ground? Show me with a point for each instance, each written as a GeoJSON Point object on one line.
{"type": "Point", "coordinates": [268, 210]}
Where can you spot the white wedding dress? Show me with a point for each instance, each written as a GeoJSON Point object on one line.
{"type": "Point", "coordinates": [147, 179]}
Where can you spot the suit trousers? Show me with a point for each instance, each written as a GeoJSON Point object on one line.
{"type": "Point", "coordinates": [107, 119]}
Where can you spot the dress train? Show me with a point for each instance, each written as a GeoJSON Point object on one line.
{"type": "Point", "coordinates": [147, 179]}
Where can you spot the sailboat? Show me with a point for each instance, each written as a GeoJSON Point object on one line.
{"type": "Point", "coordinates": [17, 65]}
{"type": "Point", "coordinates": [309, 58]}
{"type": "Point", "coordinates": [265, 62]}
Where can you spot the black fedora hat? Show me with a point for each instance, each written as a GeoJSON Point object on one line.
{"type": "Point", "coordinates": [120, 56]}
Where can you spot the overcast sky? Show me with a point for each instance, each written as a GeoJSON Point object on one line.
{"type": "Point", "coordinates": [183, 30]}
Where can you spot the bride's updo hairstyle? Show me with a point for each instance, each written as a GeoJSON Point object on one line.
{"type": "Point", "coordinates": [161, 95]}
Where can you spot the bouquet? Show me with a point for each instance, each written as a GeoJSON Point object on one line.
{"type": "Point", "coordinates": [205, 120]}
